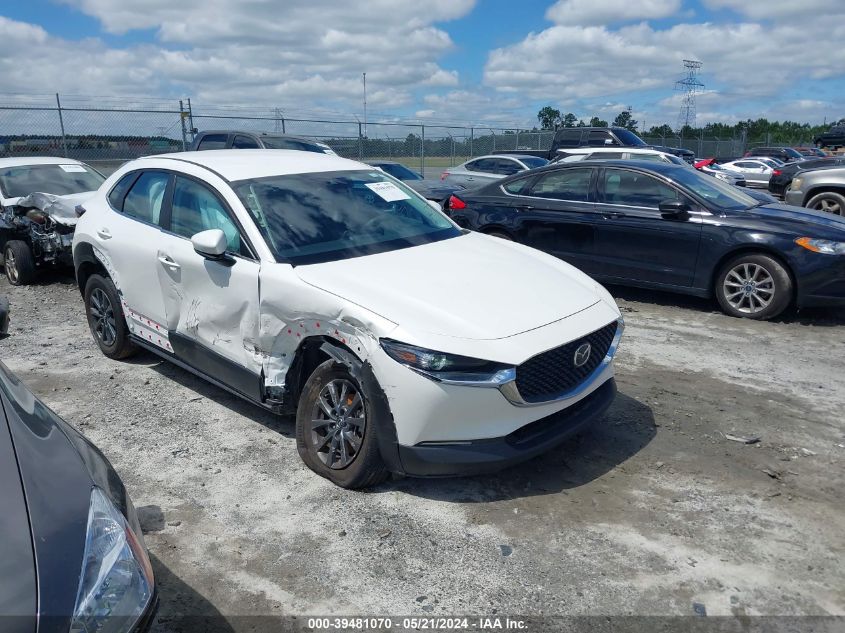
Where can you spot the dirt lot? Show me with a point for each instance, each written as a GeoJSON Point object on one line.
{"type": "Point", "coordinates": [648, 513]}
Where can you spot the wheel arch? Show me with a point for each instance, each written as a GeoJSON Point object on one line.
{"type": "Point", "coordinates": [86, 264]}
{"type": "Point", "coordinates": [818, 189]}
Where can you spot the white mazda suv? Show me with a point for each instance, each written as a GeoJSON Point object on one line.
{"type": "Point", "coordinates": [316, 285]}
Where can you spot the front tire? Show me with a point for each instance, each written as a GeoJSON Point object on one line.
{"type": "Point", "coordinates": [829, 202]}
{"type": "Point", "coordinates": [335, 436]}
{"type": "Point", "coordinates": [753, 286]}
{"type": "Point", "coordinates": [19, 263]}
{"type": "Point", "coordinates": [106, 319]}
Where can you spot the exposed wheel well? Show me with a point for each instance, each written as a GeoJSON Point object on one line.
{"type": "Point", "coordinates": [308, 356]}
{"type": "Point", "coordinates": [754, 250]}
{"type": "Point", "coordinates": [497, 229]}
{"type": "Point", "coordinates": [823, 189]}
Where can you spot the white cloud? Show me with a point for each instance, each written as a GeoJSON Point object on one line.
{"type": "Point", "coordinates": [805, 10]}
{"type": "Point", "coordinates": [596, 12]}
{"type": "Point", "coordinates": [291, 52]}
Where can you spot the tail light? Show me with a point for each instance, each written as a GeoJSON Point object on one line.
{"type": "Point", "coordinates": [444, 175]}
{"type": "Point", "coordinates": [777, 172]}
{"type": "Point", "coordinates": [456, 203]}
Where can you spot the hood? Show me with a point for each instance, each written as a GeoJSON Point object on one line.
{"type": "Point", "coordinates": [806, 217]}
{"type": "Point", "coordinates": [61, 208]}
{"type": "Point", "coordinates": [470, 287]}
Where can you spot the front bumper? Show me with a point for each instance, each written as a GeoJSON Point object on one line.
{"type": "Point", "coordinates": [793, 197]}
{"type": "Point", "coordinates": [481, 456]}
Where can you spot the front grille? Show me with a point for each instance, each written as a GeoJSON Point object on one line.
{"type": "Point", "coordinates": [547, 375]}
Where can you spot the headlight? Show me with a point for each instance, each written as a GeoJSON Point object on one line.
{"type": "Point", "coordinates": [116, 584]}
{"type": "Point", "coordinates": [828, 247]}
{"type": "Point", "coordinates": [444, 367]}
{"type": "Point", "coordinates": [796, 183]}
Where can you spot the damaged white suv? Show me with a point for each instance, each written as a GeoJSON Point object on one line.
{"type": "Point", "coordinates": [313, 284]}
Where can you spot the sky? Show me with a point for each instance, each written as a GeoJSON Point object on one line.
{"type": "Point", "coordinates": [494, 62]}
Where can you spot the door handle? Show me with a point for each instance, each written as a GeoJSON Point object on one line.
{"type": "Point", "coordinates": [104, 233]}
{"type": "Point", "coordinates": [168, 261]}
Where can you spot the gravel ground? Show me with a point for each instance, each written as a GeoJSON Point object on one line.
{"type": "Point", "coordinates": [649, 512]}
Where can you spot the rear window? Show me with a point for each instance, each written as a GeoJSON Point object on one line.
{"type": "Point", "coordinates": [59, 180]}
{"type": "Point", "coordinates": [213, 141]}
{"type": "Point", "coordinates": [533, 161]}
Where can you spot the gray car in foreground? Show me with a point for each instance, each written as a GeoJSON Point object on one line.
{"type": "Point", "coordinates": [72, 556]}
{"type": "Point", "coordinates": [485, 169]}
{"type": "Point", "coordinates": [820, 189]}
{"type": "Point", "coordinates": [429, 189]}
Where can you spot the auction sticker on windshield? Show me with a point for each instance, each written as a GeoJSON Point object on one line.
{"type": "Point", "coordinates": [73, 168]}
{"type": "Point", "coordinates": [388, 191]}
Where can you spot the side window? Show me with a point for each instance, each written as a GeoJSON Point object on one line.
{"type": "Point", "coordinates": [196, 208]}
{"type": "Point", "coordinates": [506, 167]}
{"type": "Point", "coordinates": [566, 184]}
{"type": "Point", "coordinates": [655, 158]}
{"type": "Point", "coordinates": [634, 189]}
{"type": "Point", "coordinates": [143, 202]}
{"type": "Point", "coordinates": [213, 141]}
{"type": "Point", "coordinates": [515, 187]}
{"type": "Point", "coordinates": [487, 165]}
{"type": "Point", "coordinates": [568, 138]}
{"type": "Point", "coordinates": [244, 142]}
{"type": "Point", "coordinates": [118, 192]}
{"type": "Point", "coordinates": [600, 138]}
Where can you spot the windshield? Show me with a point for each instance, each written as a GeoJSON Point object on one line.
{"type": "Point", "coordinates": [278, 142]}
{"type": "Point", "coordinates": [59, 180]}
{"type": "Point", "coordinates": [533, 161]}
{"type": "Point", "coordinates": [399, 171]}
{"type": "Point", "coordinates": [628, 138]}
{"type": "Point", "coordinates": [328, 216]}
{"type": "Point", "coordinates": [714, 191]}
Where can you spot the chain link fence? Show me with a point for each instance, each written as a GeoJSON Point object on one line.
{"type": "Point", "coordinates": [111, 132]}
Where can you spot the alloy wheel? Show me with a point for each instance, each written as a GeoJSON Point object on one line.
{"type": "Point", "coordinates": [749, 288]}
{"type": "Point", "coordinates": [338, 423]}
{"type": "Point", "coordinates": [11, 267]}
{"type": "Point", "coordinates": [102, 315]}
{"type": "Point", "coordinates": [829, 205]}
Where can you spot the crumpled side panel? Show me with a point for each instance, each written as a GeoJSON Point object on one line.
{"type": "Point", "coordinates": [291, 311]}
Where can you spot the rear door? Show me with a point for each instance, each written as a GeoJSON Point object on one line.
{"type": "Point", "coordinates": [556, 214]}
{"type": "Point", "coordinates": [211, 305]}
{"type": "Point", "coordinates": [633, 241]}
{"type": "Point", "coordinates": [128, 236]}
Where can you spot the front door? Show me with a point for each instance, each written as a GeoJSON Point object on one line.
{"type": "Point", "coordinates": [211, 305]}
{"type": "Point", "coordinates": [634, 241]}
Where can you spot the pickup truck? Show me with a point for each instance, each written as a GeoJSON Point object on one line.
{"type": "Point", "coordinates": [834, 138]}
{"type": "Point", "coordinates": [599, 137]}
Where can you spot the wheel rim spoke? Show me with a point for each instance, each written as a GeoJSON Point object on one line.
{"type": "Point", "coordinates": [336, 436]}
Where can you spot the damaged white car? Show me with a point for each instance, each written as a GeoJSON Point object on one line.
{"type": "Point", "coordinates": [38, 199]}
{"type": "Point", "coordinates": [316, 285]}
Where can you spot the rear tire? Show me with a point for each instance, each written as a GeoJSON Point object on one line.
{"type": "Point", "coordinates": [335, 436]}
{"type": "Point", "coordinates": [753, 286]}
{"type": "Point", "coordinates": [105, 318]}
{"type": "Point", "coordinates": [829, 202]}
{"type": "Point", "coordinates": [19, 263]}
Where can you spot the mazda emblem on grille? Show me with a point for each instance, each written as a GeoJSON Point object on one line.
{"type": "Point", "coordinates": [582, 355]}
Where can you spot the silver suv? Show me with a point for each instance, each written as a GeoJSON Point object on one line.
{"type": "Point", "coordinates": [820, 189]}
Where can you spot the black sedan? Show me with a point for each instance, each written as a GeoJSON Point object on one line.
{"type": "Point", "coordinates": [427, 188]}
{"type": "Point", "coordinates": [669, 227]}
{"type": "Point", "coordinates": [782, 176]}
{"type": "Point", "coordinates": [72, 557]}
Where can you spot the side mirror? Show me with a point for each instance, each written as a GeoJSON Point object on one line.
{"type": "Point", "coordinates": [674, 210]}
{"type": "Point", "coordinates": [211, 244]}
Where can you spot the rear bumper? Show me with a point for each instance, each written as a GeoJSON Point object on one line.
{"type": "Point", "coordinates": [481, 456]}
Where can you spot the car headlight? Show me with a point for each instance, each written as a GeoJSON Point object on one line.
{"type": "Point", "coordinates": [443, 367]}
{"type": "Point", "coordinates": [116, 583]}
{"type": "Point", "coordinates": [796, 183]}
{"type": "Point", "coordinates": [828, 247]}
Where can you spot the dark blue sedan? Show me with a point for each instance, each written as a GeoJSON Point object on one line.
{"type": "Point", "coordinates": [669, 227]}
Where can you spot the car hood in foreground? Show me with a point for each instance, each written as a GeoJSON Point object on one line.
{"type": "Point", "coordinates": [469, 287]}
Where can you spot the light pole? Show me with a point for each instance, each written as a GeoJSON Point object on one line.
{"type": "Point", "coordinates": [365, 104]}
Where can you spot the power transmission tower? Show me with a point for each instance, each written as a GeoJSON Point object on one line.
{"type": "Point", "coordinates": [690, 85]}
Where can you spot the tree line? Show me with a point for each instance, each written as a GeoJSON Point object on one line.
{"type": "Point", "coordinates": [775, 131]}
